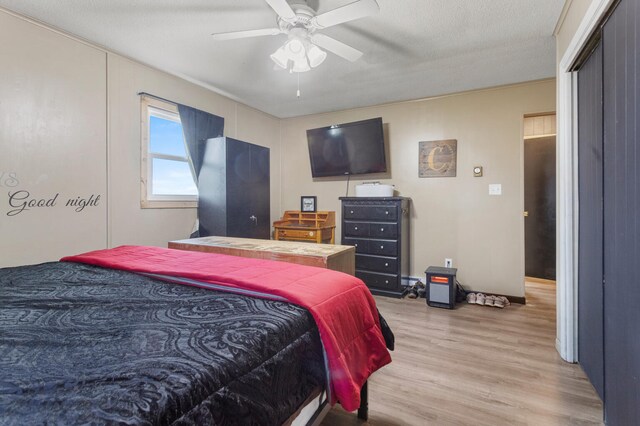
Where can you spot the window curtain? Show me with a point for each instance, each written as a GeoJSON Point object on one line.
{"type": "Point", "coordinates": [197, 127]}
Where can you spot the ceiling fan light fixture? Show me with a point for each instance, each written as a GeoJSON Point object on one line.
{"type": "Point", "coordinates": [295, 48]}
{"type": "Point", "coordinates": [280, 57]}
{"type": "Point", "coordinates": [306, 48]}
{"type": "Point", "coordinates": [316, 56]}
{"type": "Point", "coordinates": [301, 65]}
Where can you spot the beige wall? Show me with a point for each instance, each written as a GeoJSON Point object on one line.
{"type": "Point", "coordinates": [49, 144]}
{"type": "Point", "coordinates": [451, 217]}
{"type": "Point", "coordinates": [71, 124]}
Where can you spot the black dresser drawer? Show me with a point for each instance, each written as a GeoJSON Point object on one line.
{"type": "Point", "coordinates": [377, 263]}
{"type": "Point", "coordinates": [372, 279]}
{"type": "Point", "coordinates": [372, 212]}
{"type": "Point", "coordinates": [382, 247]}
{"type": "Point", "coordinates": [383, 230]}
{"type": "Point", "coordinates": [362, 246]}
{"type": "Point", "coordinates": [356, 229]}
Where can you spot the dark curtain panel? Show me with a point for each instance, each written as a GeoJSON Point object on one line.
{"type": "Point", "coordinates": [198, 126]}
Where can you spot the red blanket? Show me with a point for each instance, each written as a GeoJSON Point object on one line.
{"type": "Point", "coordinates": [341, 304]}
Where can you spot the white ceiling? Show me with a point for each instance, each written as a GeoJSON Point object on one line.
{"type": "Point", "coordinates": [412, 48]}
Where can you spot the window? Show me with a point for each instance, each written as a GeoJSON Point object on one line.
{"type": "Point", "coordinates": [167, 175]}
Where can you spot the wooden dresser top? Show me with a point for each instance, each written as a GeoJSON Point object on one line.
{"type": "Point", "coordinates": [285, 247]}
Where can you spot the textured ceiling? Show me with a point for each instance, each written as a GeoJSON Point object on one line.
{"type": "Point", "coordinates": [412, 48]}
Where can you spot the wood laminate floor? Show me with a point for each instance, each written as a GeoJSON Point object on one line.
{"type": "Point", "coordinates": [476, 365]}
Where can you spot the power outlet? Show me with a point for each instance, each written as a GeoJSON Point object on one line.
{"type": "Point", "coordinates": [448, 263]}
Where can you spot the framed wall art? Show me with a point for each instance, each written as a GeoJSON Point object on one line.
{"type": "Point", "coordinates": [437, 158]}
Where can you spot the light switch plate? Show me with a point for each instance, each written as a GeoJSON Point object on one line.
{"type": "Point", "coordinates": [495, 189]}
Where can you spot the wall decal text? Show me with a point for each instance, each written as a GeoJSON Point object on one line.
{"type": "Point", "coordinates": [22, 200]}
{"type": "Point", "coordinates": [8, 179]}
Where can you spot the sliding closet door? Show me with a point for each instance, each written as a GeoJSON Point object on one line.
{"type": "Point", "coordinates": [621, 74]}
{"type": "Point", "coordinates": [590, 251]}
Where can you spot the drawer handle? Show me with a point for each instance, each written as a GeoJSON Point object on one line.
{"type": "Point", "coordinates": [381, 247]}
{"type": "Point", "coordinates": [386, 281]}
{"type": "Point", "coordinates": [386, 264]}
{"type": "Point", "coordinates": [356, 228]}
{"type": "Point", "coordinates": [381, 229]}
{"type": "Point", "coordinates": [355, 245]}
{"type": "Point", "coordinates": [351, 212]}
{"type": "Point", "coordinates": [387, 212]}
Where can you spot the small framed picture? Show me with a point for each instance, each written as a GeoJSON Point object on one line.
{"type": "Point", "coordinates": [308, 203]}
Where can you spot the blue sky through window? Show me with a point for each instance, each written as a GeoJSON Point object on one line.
{"type": "Point", "coordinates": [172, 177]}
{"type": "Point", "coordinates": [165, 137]}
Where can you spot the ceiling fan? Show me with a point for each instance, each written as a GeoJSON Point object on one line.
{"type": "Point", "coordinates": [299, 21]}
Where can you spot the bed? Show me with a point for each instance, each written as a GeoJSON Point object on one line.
{"type": "Point", "coordinates": [86, 342]}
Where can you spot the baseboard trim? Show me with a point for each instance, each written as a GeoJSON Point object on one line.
{"type": "Point", "coordinates": [516, 299]}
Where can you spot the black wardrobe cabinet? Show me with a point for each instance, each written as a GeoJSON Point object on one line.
{"type": "Point", "coordinates": [233, 188]}
{"type": "Point", "coordinates": [378, 227]}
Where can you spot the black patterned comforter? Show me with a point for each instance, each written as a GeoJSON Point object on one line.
{"type": "Point", "coordinates": [81, 344]}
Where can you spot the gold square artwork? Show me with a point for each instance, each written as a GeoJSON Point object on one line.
{"type": "Point", "coordinates": [438, 158]}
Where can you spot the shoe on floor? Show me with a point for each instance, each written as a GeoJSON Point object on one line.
{"type": "Point", "coordinates": [498, 302]}
{"type": "Point", "coordinates": [421, 288]}
{"type": "Point", "coordinates": [505, 300]}
{"type": "Point", "coordinates": [489, 301]}
{"type": "Point", "coordinates": [471, 298]}
{"type": "Point", "coordinates": [413, 293]}
{"type": "Point", "coordinates": [480, 298]}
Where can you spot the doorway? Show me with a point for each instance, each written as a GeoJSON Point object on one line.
{"type": "Point", "coordinates": [540, 196]}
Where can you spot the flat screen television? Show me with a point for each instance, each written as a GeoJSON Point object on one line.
{"type": "Point", "coordinates": [347, 149]}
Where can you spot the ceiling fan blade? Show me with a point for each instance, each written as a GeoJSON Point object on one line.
{"type": "Point", "coordinates": [244, 34]}
{"type": "Point", "coordinates": [337, 47]}
{"type": "Point", "coordinates": [282, 8]}
{"type": "Point", "coordinates": [355, 10]}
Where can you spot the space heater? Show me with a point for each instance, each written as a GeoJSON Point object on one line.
{"type": "Point", "coordinates": [441, 287]}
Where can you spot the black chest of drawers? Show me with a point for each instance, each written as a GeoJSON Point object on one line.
{"type": "Point", "coordinates": [379, 230]}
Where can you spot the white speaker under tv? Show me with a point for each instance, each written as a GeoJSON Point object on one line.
{"type": "Point", "coordinates": [374, 190]}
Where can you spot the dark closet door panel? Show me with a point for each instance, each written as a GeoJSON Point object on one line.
{"type": "Point", "coordinates": [590, 251]}
{"type": "Point", "coordinates": [621, 43]}
{"type": "Point", "coordinates": [540, 202]}
{"type": "Point", "coordinates": [248, 190]}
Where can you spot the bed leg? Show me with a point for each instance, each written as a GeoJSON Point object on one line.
{"type": "Point", "coordinates": [363, 411]}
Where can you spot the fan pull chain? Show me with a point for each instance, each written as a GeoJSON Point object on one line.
{"type": "Point", "coordinates": [298, 91]}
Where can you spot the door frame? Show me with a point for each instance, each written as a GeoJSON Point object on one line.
{"type": "Point", "coordinates": [567, 185]}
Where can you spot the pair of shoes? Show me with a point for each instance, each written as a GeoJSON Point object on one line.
{"type": "Point", "coordinates": [483, 299]}
{"type": "Point", "coordinates": [413, 293]}
{"type": "Point", "coordinates": [496, 301]}
{"type": "Point", "coordinates": [420, 288]}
